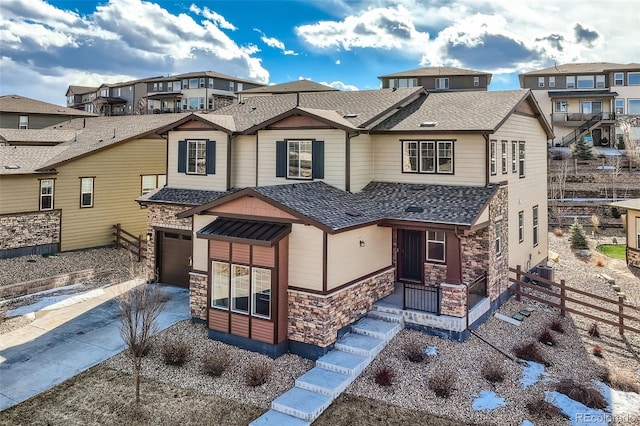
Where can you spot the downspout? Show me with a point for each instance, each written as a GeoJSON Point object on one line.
{"type": "Point", "coordinates": [486, 158]}
{"type": "Point", "coordinates": [347, 160]}
{"type": "Point", "coordinates": [228, 161]}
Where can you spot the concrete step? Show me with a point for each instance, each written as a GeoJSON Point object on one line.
{"type": "Point", "coordinates": [343, 362]}
{"type": "Point", "coordinates": [276, 418]}
{"type": "Point", "coordinates": [386, 316]}
{"type": "Point", "coordinates": [324, 381]}
{"type": "Point", "coordinates": [379, 329]}
{"type": "Point", "coordinates": [302, 403]}
{"type": "Point", "coordinates": [360, 344]}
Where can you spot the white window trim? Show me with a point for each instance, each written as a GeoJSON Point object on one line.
{"type": "Point", "coordinates": [498, 240]}
{"type": "Point", "coordinates": [514, 156]}
{"type": "Point", "coordinates": [572, 79]}
{"type": "Point", "coordinates": [521, 226]}
{"type": "Point", "coordinates": [552, 81]}
{"type": "Point", "coordinates": [426, 144]}
{"type": "Point", "coordinates": [52, 186]}
{"type": "Point", "coordinates": [621, 106]}
{"type": "Point", "coordinates": [629, 74]}
{"type": "Point", "coordinates": [83, 192]}
{"type": "Point", "coordinates": [234, 285]}
{"type": "Point", "coordinates": [618, 81]}
{"type": "Point", "coordinates": [504, 154]}
{"type": "Point", "coordinates": [23, 122]}
{"type": "Point", "coordinates": [476, 81]}
{"type": "Point", "coordinates": [493, 157]}
{"type": "Point", "coordinates": [254, 293]}
{"type": "Point", "coordinates": [540, 81]}
{"type": "Point", "coordinates": [225, 286]}
{"type": "Point", "coordinates": [536, 226]}
{"type": "Point", "coordinates": [442, 242]}
{"type": "Point", "coordinates": [629, 109]}
{"type": "Point", "coordinates": [197, 158]}
{"type": "Point", "coordinates": [600, 81]}
{"type": "Point", "coordinates": [440, 80]}
{"type": "Point", "coordinates": [298, 142]}
{"type": "Point", "coordinates": [522, 159]}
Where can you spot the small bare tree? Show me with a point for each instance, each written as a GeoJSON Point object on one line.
{"type": "Point", "coordinates": [139, 309]}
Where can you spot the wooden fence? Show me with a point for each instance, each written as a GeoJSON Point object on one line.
{"type": "Point", "coordinates": [604, 305]}
{"type": "Point", "coordinates": [126, 240]}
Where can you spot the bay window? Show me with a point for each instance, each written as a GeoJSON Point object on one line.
{"type": "Point", "coordinates": [242, 289]}
{"type": "Point", "coordinates": [240, 281]}
{"type": "Point", "coordinates": [261, 292]}
{"type": "Point", "coordinates": [220, 285]}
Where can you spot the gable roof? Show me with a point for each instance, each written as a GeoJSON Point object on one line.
{"type": "Point", "coordinates": [195, 74]}
{"type": "Point", "coordinates": [21, 160]}
{"type": "Point", "coordinates": [20, 104]}
{"type": "Point", "coordinates": [48, 136]}
{"type": "Point", "coordinates": [292, 87]}
{"type": "Point", "coordinates": [450, 112]}
{"type": "Point", "coordinates": [633, 204]}
{"type": "Point", "coordinates": [582, 68]}
{"type": "Point", "coordinates": [436, 72]}
{"type": "Point", "coordinates": [80, 90]}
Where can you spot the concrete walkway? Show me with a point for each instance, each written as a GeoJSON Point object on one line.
{"type": "Point", "coordinates": [66, 341]}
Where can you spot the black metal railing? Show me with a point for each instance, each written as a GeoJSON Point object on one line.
{"type": "Point", "coordinates": [420, 297]}
{"type": "Point", "coordinates": [477, 290]}
{"type": "Point", "coordinates": [584, 127]}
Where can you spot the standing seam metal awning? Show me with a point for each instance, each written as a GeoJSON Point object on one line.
{"type": "Point", "coordinates": [245, 231]}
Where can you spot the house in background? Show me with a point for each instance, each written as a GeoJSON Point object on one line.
{"type": "Point", "coordinates": [82, 97]}
{"type": "Point", "coordinates": [18, 112]}
{"type": "Point", "coordinates": [290, 216]}
{"type": "Point", "coordinates": [438, 79]}
{"type": "Point", "coordinates": [633, 229]}
{"type": "Point", "coordinates": [584, 99]}
{"type": "Point", "coordinates": [297, 86]}
{"type": "Point", "coordinates": [68, 195]}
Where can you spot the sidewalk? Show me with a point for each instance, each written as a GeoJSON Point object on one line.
{"type": "Point", "coordinates": [63, 342]}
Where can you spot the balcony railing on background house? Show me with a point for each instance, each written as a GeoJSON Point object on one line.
{"type": "Point", "coordinates": [586, 126]}
{"type": "Point", "coordinates": [477, 290]}
{"type": "Point", "coordinates": [420, 297]}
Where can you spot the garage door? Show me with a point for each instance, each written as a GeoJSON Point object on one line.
{"type": "Point", "coordinates": [175, 251]}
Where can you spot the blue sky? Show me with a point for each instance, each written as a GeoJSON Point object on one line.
{"type": "Point", "coordinates": [46, 45]}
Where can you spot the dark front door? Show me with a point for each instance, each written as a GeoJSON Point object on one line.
{"type": "Point", "coordinates": [175, 253]}
{"type": "Point", "coordinates": [410, 261]}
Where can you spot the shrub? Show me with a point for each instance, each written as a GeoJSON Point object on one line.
{"type": "Point", "coordinates": [175, 352]}
{"type": "Point", "coordinates": [558, 232]}
{"type": "Point", "coordinates": [442, 383]}
{"type": "Point", "coordinates": [582, 150]}
{"type": "Point", "coordinates": [530, 352]}
{"type": "Point", "coordinates": [543, 409]}
{"type": "Point", "coordinates": [384, 376]}
{"type": "Point", "coordinates": [414, 352]}
{"type": "Point", "coordinates": [621, 379]}
{"type": "Point", "coordinates": [493, 370]}
{"type": "Point", "coordinates": [577, 236]}
{"type": "Point", "coordinates": [615, 213]}
{"type": "Point", "coordinates": [597, 351]}
{"type": "Point", "coordinates": [257, 373]}
{"type": "Point", "coordinates": [216, 362]}
{"type": "Point", "coordinates": [586, 395]}
{"type": "Point", "coordinates": [557, 326]}
{"type": "Point", "coordinates": [594, 330]}
{"type": "Point", "coordinates": [546, 337]}
{"type": "Point", "coordinates": [595, 223]}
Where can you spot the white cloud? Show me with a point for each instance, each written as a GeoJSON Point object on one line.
{"type": "Point", "coordinates": [275, 43]}
{"type": "Point", "coordinates": [340, 85]}
{"type": "Point", "coordinates": [213, 16]}
{"type": "Point", "coordinates": [337, 61]}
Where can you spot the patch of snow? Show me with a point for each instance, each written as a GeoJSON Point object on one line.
{"type": "Point", "coordinates": [531, 373]}
{"type": "Point", "coordinates": [487, 400]}
{"type": "Point", "coordinates": [51, 290]}
{"type": "Point", "coordinates": [579, 414]}
{"type": "Point", "coordinates": [55, 302]}
{"type": "Point", "coordinates": [431, 351]}
{"type": "Point", "coordinates": [605, 168]}
{"type": "Point", "coordinates": [526, 422]}
{"type": "Point", "coordinates": [620, 402]}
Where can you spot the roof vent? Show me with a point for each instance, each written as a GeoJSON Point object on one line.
{"type": "Point", "coordinates": [414, 209]}
{"type": "Point", "coordinates": [353, 213]}
{"type": "Point", "coordinates": [418, 187]}
{"type": "Point", "coordinates": [11, 167]}
{"type": "Point", "coordinates": [429, 124]}
{"type": "Point", "coordinates": [350, 115]}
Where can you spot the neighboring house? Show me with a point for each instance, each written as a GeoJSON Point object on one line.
{"type": "Point", "coordinates": [289, 215]}
{"type": "Point", "coordinates": [438, 79]}
{"type": "Point", "coordinates": [18, 112]}
{"type": "Point", "coordinates": [82, 97]}
{"type": "Point", "coordinates": [584, 99]}
{"type": "Point", "coordinates": [69, 196]}
{"type": "Point", "coordinates": [297, 86]}
{"type": "Point", "coordinates": [633, 230]}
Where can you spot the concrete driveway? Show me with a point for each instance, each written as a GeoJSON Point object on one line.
{"type": "Point", "coordinates": [62, 342]}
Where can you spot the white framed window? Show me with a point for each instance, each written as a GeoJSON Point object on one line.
{"type": "Point", "coordinates": [521, 159]}
{"type": "Point", "coordinates": [104, 93]}
{"type": "Point", "coordinates": [619, 106]}
{"type": "Point", "coordinates": [210, 83]}
{"type": "Point", "coordinates": [633, 106]}
{"type": "Point", "coordinates": [600, 83]}
{"type": "Point", "coordinates": [299, 155]}
{"type": "Point", "coordinates": [202, 80]}
{"type": "Point", "coordinates": [633, 78]}
{"type": "Point", "coordinates": [239, 87]}
{"type": "Point", "coordinates": [46, 194]}
{"type": "Point", "coordinates": [571, 82]}
{"type": "Point", "coordinates": [535, 226]}
{"type": "Point", "coordinates": [201, 103]}
{"type": "Point", "coordinates": [185, 83]}
{"type": "Point", "coordinates": [232, 86]}
{"type": "Point", "coordinates": [591, 107]}
{"type": "Point", "coordinates": [503, 146]}
{"type": "Point", "coordinates": [476, 81]}
{"type": "Point", "coordinates": [119, 92]}
{"type": "Point", "coordinates": [261, 292]}
{"type": "Point", "coordinates": [176, 86]}
{"type": "Point", "coordinates": [561, 106]}
{"type": "Point", "coordinates": [521, 226]}
{"type": "Point", "coordinates": [442, 83]}
{"type": "Point", "coordinates": [23, 122]}
{"type": "Point", "coordinates": [436, 242]}
{"type": "Point", "coordinates": [409, 156]}
{"type": "Point", "coordinates": [86, 192]}
{"type": "Point", "coordinates": [514, 156]}
{"type": "Point", "coordinates": [193, 83]}
{"type": "Point", "coordinates": [427, 157]}
{"type": "Point", "coordinates": [220, 285]}
{"type": "Point", "coordinates": [540, 81]}
{"type": "Point", "coordinates": [552, 81]}
{"type": "Point", "coordinates": [445, 157]}
{"type": "Point", "coordinates": [151, 182]}
{"type": "Point", "coordinates": [494, 157]}
{"type": "Point", "coordinates": [618, 79]}
{"type": "Point", "coordinates": [240, 283]}
{"type": "Point", "coordinates": [498, 242]}
{"type": "Point", "coordinates": [196, 157]}
{"type": "Point", "coordinates": [193, 103]}
{"type": "Point", "coordinates": [585, 82]}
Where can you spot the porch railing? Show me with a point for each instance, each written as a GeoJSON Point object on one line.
{"type": "Point", "coordinates": [477, 290]}
{"type": "Point", "coordinates": [420, 297]}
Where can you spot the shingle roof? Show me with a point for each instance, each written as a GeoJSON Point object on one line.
{"type": "Point", "coordinates": [81, 90]}
{"type": "Point", "coordinates": [581, 68]}
{"type": "Point", "coordinates": [19, 160]}
{"type": "Point", "coordinates": [434, 72]}
{"type": "Point", "coordinates": [185, 197]}
{"type": "Point", "coordinates": [633, 203]}
{"type": "Point", "coordinates": [292, 87]}
{"type": "Point", "coordinates": [20, 104]}
{"type": "Point", "coordinates": [455, 111]}
{"type": "Point", "coordinates": [195, 74]}
{"type": "Point", "coordinates": [36, 136]}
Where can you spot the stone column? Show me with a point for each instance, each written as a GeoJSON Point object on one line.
{"type": "Point", "coordinates": [454, 300]}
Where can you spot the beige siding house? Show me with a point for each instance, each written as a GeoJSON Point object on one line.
{"type": "Point", "coordinates": [633, 230]}
{"type": "Point", "coordinates": [323, 206]}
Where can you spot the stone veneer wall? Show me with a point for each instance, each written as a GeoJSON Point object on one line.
{"type": "Point", "coordinates": [633, 257]}
{"type": "Point", "coordinates": [29, 229]}
{"type": "Point", "coordinates": [316, 319]}
{"type": "Point", "coordinates": [454, 300]}
{"type": "Point", "coordinates": [434, 274]}
{"type": "Point", "coordinates": [163, 216]}
{"type": "Point", "coordinates": [498, 268]}
{"type": "Point", "coordinates": [475, 255]}
{"type": "Point", "coordinates": [198, 302]}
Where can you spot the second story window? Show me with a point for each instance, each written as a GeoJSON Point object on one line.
{"type": "Point", "coordinates": [585, 82]}
{"type": "Point", "coordinates": [571, 82]}
{"type": "Point", "coordinates": [427, 157]}
{"type": "Point", "coordinates": [152, 182]}
{"type": "Point", "coordinates": [494, 157]}
{"type": "Point", "coordinates": [202, 82]}
{"type": "Point", "coordinates": [600, 81]}
{"type": "Point", "coordinates": [300, 159]}
{"type": "Point", "coordinates": [561, 106]}
{"type": "Point", "coordinates": [197, 157]}
{"type": "Point", "coordinates": [633, 78]}
{"type": "Point", "coordinates": [521, 161]}
{"type": "Point", "coordinates": [46, 194]}
{"type": "Point", "coordinates": [618, 79]}
{"type": "Point", "coordinates": [476, 81]}
{"type": "Point", "coordinates": [442, 83]}
{"type": "Point", "coordinates": [552, 81]}
{"type": "Point", "coordinates": [540, 81]}
{"type": "Point", "coordinates": [504, 156]}
{"type": "Point", "coordinates": [23, 122]}
{"type": "Point", "coordinates": [514, 156]}
{"type": "Point", "coordinates": [619, 106]}
{"type": "Point", "coordinates": [299, 153]}
{"type": "Point", "coordinates": [210, 83]}
{"type": "Point", "coordinates": [232, 86]}
{"type": "Point", "coordinates": [86, 192]}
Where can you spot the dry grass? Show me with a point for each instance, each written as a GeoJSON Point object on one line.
{"type": "Point", "coordinates": [557, 326]}
{"type": "Point", "coordinates": [594, 330]}
{"type": "Point", "coordinates": [586, 395]}
{"type": "Point", "coordinates": [216, 362]}
{"type": "Point", "coordinates": [622, 379]}
{"type": "Point", "coordinates": [442, 383]}
{"type": "Point", "coordinates": [547, 338]}
{"type": "Point", "coordinates": [494, 370]}
{"type": "Point", "coordinates": [257, 373]}
{"type": "Point", "coordinates": [543, 409]}
{"type": "Point", "coordinates": [384, 376]}
{"type": "Point", "coordinates": [414, 352]}
{"type": "Point", "coordinates": [175, 352]}
{"type": "Point", "coordinates": [600, 262]}
{"type": "Point", "coordinates": [531, 352]}
{"type": "Point", "coordinates": [558, 232]}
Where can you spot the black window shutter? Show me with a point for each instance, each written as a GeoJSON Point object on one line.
{"type": "Point", "coordinates": [182, 156]}
{"type": "Point", "coordinates": [211, 157]}
{"type": "Point", "coordinates": [281, 158]}
{"type": "Point", "coordinates": [317, 159]}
